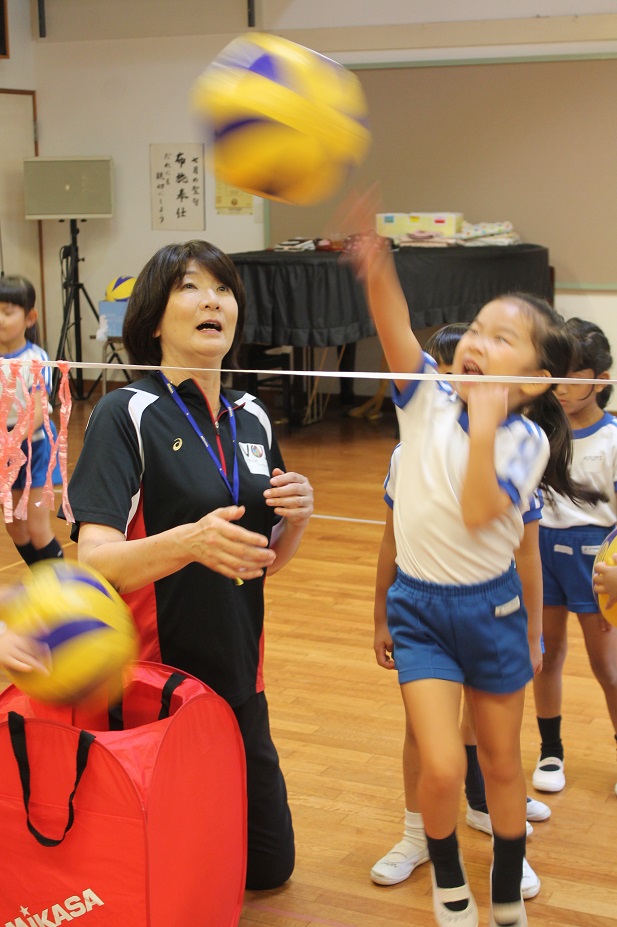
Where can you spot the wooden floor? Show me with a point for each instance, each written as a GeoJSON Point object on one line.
{"type": "Point", "coordinates": [338, 723]}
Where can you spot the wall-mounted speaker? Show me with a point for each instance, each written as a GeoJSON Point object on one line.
{"type": "Point", "coordinates": [68, 188]}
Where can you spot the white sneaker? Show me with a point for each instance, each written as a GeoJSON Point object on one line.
{"type": "Point", "coordinates": [548, 776]}
{"type": "Point", "coordinates": [448, 918]}
{"type": "Point", "coordinates": [537, 810]}
{"type": "Point", "coordinates": [521, 916]}
{"type": "Point", "coordinates": [530, 883]}
{"type": "Point", "coordinates": [480, 820]}
{"type": "Point", "coordinates": [400, 862]}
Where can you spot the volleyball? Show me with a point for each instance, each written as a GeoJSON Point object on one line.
{"type": "Point", "coordinates": [605, 554]}
{"type": "Point", "coordinates": [80, 619]}
{"type": "Point", "coordinates": [283, 121]}
{"type": "Point", "coordinates": [119, 288]}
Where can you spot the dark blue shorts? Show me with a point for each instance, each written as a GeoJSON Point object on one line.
{"type": "Point", "coordinates": [41, 451]}
{"type": "Point", "coordinates": [567, 566]}
{"type": "Point", "coordinates": [472, 634]}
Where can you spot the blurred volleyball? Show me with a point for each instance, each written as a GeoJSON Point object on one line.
{"type": "Point", "coordinates": [80, 620]}
{"type": "Point", "coordinates": [605, 554]}
{"type": "Point", "coordinates": [283, 121]}
{"type": "Point", "coordinates": [119, 288]}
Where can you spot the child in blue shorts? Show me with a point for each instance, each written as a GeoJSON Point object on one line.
{"type": "Point", "coordinates": [411, 851]}
{"type": "Point", "coordinates": [33, 537]}
{"type": "Point", "coordinates": [470, 463]}
{"type": "Point", "coordinates": [570, 536]}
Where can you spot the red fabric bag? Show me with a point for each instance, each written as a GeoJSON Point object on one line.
{"type": "Point", "coordinates": [132, 818]}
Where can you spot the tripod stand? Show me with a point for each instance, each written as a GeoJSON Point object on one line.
{"type": "Point", "coordinates": [71, 314]}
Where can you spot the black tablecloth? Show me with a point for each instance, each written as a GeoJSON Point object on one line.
{"type": "Point", "coordinates": [312, 299]}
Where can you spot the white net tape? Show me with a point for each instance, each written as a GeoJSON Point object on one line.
{"type": "Point", "coordinates": [16, 439]}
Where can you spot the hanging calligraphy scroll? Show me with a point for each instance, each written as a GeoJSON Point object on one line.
{"type": "Point", "coordinates": [177, 186]}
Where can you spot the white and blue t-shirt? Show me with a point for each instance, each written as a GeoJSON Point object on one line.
{"type": "Point", "coordinates": [594, 465]}
{"type": "Point", "coordinates": [432, 541]}
{"type": "Point", "coordinates": [30, 351]}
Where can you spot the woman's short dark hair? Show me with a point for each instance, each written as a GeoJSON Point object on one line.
{"type": "Point", "coordinates": [152, 289]}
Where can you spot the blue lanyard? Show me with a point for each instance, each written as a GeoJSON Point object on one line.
{"type": "Point", "coordinates": [235, 489]}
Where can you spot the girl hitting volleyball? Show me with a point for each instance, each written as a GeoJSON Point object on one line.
{"type": "Point", "coordinates": [469, 465]}
{"type": "Point", "coordinates": [411, 851]}
{"type": "Point", "coordinates": [570, 536]}
{"type": "Point", "coordinates": [33, 537]}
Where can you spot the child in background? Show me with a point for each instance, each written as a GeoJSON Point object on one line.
{"type": "Point", "coordinates": [570, 536]}
{"type": "Point", "coordinates": [33, 537]}
{"type": "Point", "coordinates": [398, 864]}
{"type": "Point", "coordinates": [441, 345]}
{"type": "Point", "coordinates": [470, 464]}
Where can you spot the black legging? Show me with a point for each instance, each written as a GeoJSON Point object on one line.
{"type": "Point", "coordinates": [271, 848]}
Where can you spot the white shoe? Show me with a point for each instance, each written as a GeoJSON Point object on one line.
{"type": "Point", "coordinates": [400, 862]}
{"type": "Point", "coordinates": [480, 820]}
{"type": "Point", "coordinates": [520, 918]}
{"type": "Point", "coordinates": [530, 883]}
{"type": "Point", "coordinates": [442, 896]}
{"type": "Point", "coordinates": [548, 776]}
{"type": "Point", "coordinates": [537, 810]}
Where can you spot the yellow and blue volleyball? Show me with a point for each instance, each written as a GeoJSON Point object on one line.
{"type": "Point", "coordinates": [80, 621]}
{"type": "Point", "coordinates": [119, 288]}
{"type": "Point", "coordinates": [283, 121]}
{"type": "Point", "coordinates": [605, 555]}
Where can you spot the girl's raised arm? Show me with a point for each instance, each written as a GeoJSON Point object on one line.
{"type": "Point", "coordinates": [374, 266]}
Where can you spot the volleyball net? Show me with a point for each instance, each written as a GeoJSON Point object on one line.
{"type": "Point", "coordinates": [20, 381]}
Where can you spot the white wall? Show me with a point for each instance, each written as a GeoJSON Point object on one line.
{"type": "Point", "coordinates": [298, 14]}
{"type": "Point", "coordinates": [600, 308]}
{"type": "Point", "coordinates": [78, 20]}
{"type": "Point", "coordinates": [117, 96]}
{"type": "Point", "coordinates": [17, 71]}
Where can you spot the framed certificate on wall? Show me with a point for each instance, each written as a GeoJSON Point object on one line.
{"type": "Point", "coordinates": [4, 31]}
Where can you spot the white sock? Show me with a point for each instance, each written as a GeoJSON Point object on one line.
{"type": "Point", "coordinates": [414, 828]}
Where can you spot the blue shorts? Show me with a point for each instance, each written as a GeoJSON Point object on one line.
{"type": "Point", "coordinates": [474, 634]}
{"type": "Point", "coordinates": [41, 452]}
{"type": "Point", "coordinates": [567, 566]}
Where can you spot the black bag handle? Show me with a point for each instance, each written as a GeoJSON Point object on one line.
{"type": "Point", "coordinates": [175, 680]}
{"type": "Point", "coordinates": [116, 722]}
{"type": "Point", "coordinates": [17, 731]}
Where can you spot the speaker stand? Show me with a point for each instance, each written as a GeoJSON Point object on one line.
{"type": "Point", "coordinates": [71, 316]}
